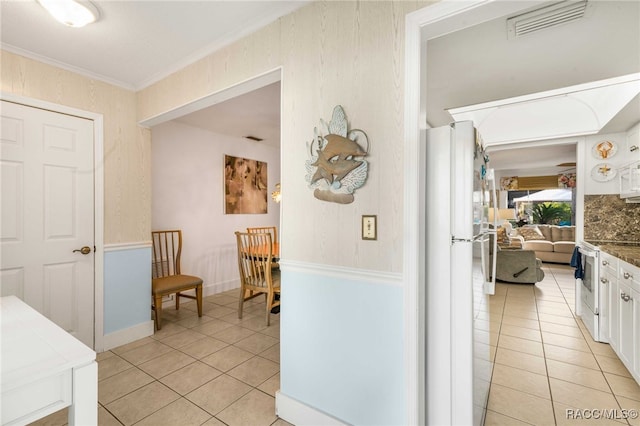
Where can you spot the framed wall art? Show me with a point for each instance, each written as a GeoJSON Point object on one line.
{"type": "Point", "coordinates": [245, 186]}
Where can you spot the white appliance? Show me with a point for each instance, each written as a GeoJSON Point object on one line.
{"type": "Point", "coordinates": [459, 189]}
{"type": "Point", "coordinates": [591, 292]}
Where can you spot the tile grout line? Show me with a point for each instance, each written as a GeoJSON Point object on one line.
{"type": "Point", "coordinates": [223, 373]}
{"type": "Point", "coordinates": [586, 337]}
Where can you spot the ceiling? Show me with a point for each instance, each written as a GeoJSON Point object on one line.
{"type": "Point", "coordinates": [256, 114]}
{"type": "Point", "coordinates": [475, 65]}
{"type": "Point", "coordinates": [481, 64]}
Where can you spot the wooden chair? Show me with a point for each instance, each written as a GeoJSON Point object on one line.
{"type": "Point", "coordinates": [257, 277]}
{"type": "Point", "coordinates": [166, 275]}
{"type": "Point", "coordinates": [274, 237]}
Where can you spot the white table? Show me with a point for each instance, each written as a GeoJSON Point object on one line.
{"type": "Point", "coordinates": [43, 369]}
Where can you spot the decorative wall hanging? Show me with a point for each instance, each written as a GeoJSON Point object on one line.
{"type": "Point", "coordinates": [567, 180]}
{"type": "Point", "coordinates": [603, 172]}
{"type": "Point", "coordinates": [337, 166]}
{"type": "Point", "coordinates": [245, 185]}
{"type": "Point", "coordinates": [604, 149]}
{"type": "Point", "coordinates": [509, 183]}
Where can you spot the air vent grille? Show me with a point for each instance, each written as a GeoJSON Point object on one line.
{"type": "Point", "coordinates": [546, 17]}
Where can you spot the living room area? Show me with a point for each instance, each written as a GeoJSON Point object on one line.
{"type": "Point", "coordinates": [535, 217]}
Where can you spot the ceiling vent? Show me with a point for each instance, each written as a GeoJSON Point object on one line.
{"type": "Point", "coordinates": [546, 17]}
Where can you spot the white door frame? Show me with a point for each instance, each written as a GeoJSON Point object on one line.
{"type": "Point", "coordinates": [98, 195]}
{"type": "Point", "coordinates": [438, 19]}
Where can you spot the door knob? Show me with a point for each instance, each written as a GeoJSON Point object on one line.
{"type": "Point", "coordinates": [84, 250]}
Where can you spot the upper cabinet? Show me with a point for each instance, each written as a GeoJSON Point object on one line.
{"type": "Point", "coordinates": [632, 145]}
{"type": "Point", "coordinates": [630, 174]}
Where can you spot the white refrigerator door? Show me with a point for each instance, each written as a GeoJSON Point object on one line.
{"type": "Point", "coordinates": [448, 273]}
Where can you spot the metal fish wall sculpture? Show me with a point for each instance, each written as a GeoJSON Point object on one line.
{"type": "Point", "coordinates": [337, 166]}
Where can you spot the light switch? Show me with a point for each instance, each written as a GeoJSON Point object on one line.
{"type": "Point", "coordinates": [369, 230]}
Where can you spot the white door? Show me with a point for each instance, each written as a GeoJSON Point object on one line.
{"type": "Point", "coordinates": [47, 207]}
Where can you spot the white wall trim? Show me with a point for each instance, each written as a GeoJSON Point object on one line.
{"type": "Point", "coordinates": [127, 246]}
{"type": "Point", "coordinates": [341, 272]}
{"type": "Point", "coordinates": [98, 199]}
{"type": "Point", "coordinates": [219, 287]}
{"type": "Point", "coordinates": [127, 335]}
{"type": "Point", "coordinates": [300, 414]}
{"type": "Point", "coordinates": [58, 64]}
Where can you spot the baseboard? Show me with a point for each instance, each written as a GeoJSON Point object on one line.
{"type": "Point", "coordinates": [300, 414]}
{"type": "Point", "coordinates": [211, 289]}
{"type": "Point", "coordinates": [128, 335]}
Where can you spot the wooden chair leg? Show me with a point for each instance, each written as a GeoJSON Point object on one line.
{"type": "Point", "coordinates": [177, 301]}
{"type": "Point", "coordinates": [157, 303]}
{"type": "Point", "coordinates": [199, 299]}
{"type": "Point", "coordinates": [241, 302]}
{"type": "Point", "coordinates": [268, 315]}
{"type": "Point", "coordinates": [269, 302]}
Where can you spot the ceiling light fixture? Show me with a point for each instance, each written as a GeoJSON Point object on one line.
{"type": "Point", "coordinates": [71, 13]}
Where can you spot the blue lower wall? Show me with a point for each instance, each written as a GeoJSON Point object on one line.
{"type": "Point", "coordinates": [342, 347]}
{"type": "Point", "coordinates": [127, 288]}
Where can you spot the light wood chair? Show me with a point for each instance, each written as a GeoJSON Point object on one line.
{"type": "Point", "coordinates": [257, 277]}
{"type": "Point", "coordinates": [167, 277]}
{"type": "Point", "coordinates": [274, 238]}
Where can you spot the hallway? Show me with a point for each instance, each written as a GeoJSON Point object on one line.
{"type": "Point", "coordinates": [547, 366]}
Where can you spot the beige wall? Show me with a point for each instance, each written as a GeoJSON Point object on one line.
{"type": "Point", "coordinates": [346, 53]}
{"type": "Point", "coordinates": [127, 203]}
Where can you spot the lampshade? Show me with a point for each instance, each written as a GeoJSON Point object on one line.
{"type": "Point", "coordinates": [503, 214]}
{"type": "Point", "coordinates": [71, 13]}
{"type": "Point", "coordinates": [507, 214]}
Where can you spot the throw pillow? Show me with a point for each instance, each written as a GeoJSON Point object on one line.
{"type": "Point", "coordinates": [531, 233]}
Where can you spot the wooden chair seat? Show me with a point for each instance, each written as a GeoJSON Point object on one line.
{"type": "Point", "coordinates": [174, 283]}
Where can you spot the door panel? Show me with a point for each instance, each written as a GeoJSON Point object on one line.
{"type": "Point", "coordinates": [46, 162]}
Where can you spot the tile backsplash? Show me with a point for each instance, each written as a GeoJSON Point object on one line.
{"type": "Point", "coordinates": [610, 218]}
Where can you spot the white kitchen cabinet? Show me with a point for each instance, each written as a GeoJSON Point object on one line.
{"type": "Point", "coordinates": [627, 344]}
{"type": "Point", "coordinates": [635, 295]}
{"type": "Point", "coordinates": [609, 279]}
{"type": "Point", "coordinates": [629, 317]}
{"type": "Point", "coordinates": [632, 143]}
{"type": "Point", "coordinates": [621, 284]}
{"type": "Point", "coordinates": [630, 182]}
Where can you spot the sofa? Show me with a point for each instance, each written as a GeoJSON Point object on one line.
{"type": "Point", "coordinates": [551, 243]}
{"type": "Point", "coordinates": [513, 264]}
{"type": "Point", "coordinates": [518, 267]}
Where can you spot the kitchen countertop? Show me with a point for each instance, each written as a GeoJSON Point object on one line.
{"type": "Point", "coordinates": [629, 252]}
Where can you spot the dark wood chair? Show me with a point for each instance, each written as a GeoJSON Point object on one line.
{"type": "Point", "coordinates": [167, 277]}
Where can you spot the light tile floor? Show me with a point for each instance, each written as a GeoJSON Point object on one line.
{"type": "Point", "coordinates": [546, 361]}
{"type": "Point", "coordinates": [219, 370]}
{"type": "Point", "coordinates": [213, 370]}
